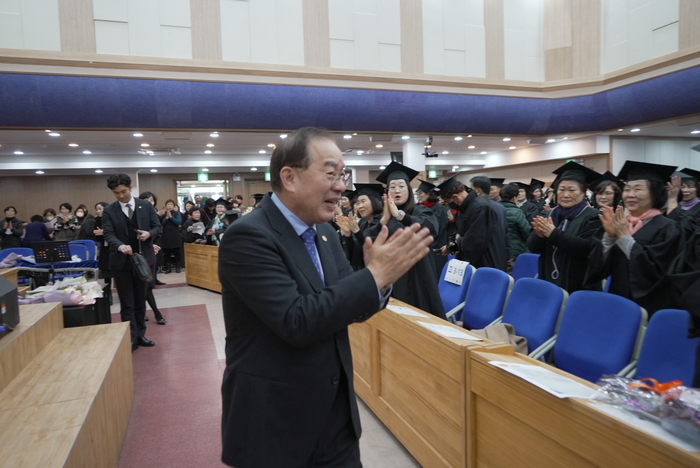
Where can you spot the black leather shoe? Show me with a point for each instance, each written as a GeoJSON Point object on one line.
{"type": "Point", "coordinates": [145, 318]}
{"type": "Point", "coordinates": [160, 283]}
{"type": "Point", "coordinates": [134, 347]}
{"type": "Point", "coordinates": [143, 341]}
{"type": "Point", "coordinates": [160, 321]}
{"type": "Point", "coordinates": [177, 270]}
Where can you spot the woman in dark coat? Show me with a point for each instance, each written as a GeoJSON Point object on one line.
{"type": "Point", "coordinates": [418, 287]}
{"type": "Point", "coordinates": [171, 243]}
{"type": "Point", "coordinates": [11, 234]}
{"type": "Point", "coordinates": [427, 196]}
{"type": "Point", "coordinates": [366, 201]}
{"type": "Point", "coordinates": [566, 238]}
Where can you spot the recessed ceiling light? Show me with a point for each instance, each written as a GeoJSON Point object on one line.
{"type": "Point", "coordinates": [445, 152]}
{"type": "Point", "coordinates": [506, 139]}
{"type": "Point", "coordinates": [87, 152]}
{"type": "Point", "coordinates": [99, 171]}
{"type": "Point", "coordinates": [635, 130]}
{"type": "Point", "coordinates": [207, 151]}
{"type": "Point", "coordinates": [551, 140]}
{"type": "Point", "coordinates": [138, 135]}
{"type": "Point", "coordinates": [380, 146]}
{"type": "Point", "coordinates": [347, 137]}
{"type": "Point", "coordinates": [355, 134]}
{"type": "Point", "coordinates": [382, 167]}
{"type": "Point", "coordinates": [47, 131]}
{"type": "Point", "coordinates": [270, 145]}
{"type": "Point", "coordinates": [471, 147]}
{"type": "Point", "coordinates": [154, 170]}
{"type": "Point", "coordinates": [511, 147]}
{"type": "Point", "coordinates": [458, 138]}
{"type": "Point", "coordinates": [73, 145]}
{"type": "Point", "coordinates": [283, 136]}
{"type": "Point", "coordinates": [695, 132]}
{"type": "Point", "coordinates": [405, 137]}
{"type": "Point", "coordinates": [19, 152]}
{"type": "Point", "coordinates": [620, 129]}
{"type": "Point", "coordinates": [54, 134]}
{"type": "Point", "coordinates": [210, 145]}
{"type": "Point", "coordinates": [455, 168]}
{"type": "Point", "coordinates": [253, 168]}
{"type": "Point", "coordinates": [565, 138]}
{"type": "Point", "coordinates": [483, 152]}
{"type": "Point", "coordinates": [469, 136]}
{"type": "Point", "coordinates": [360, 152]}
{"type": "Point", "coordinates": [204, 169]}
{"type": "Point", "coordinates": [145, 145]}
{"type": "Point", "coordinates": [214, 135]}
{"type": "Point", "coordinates": [39, 172]}
{"type": "Point", "coordinates": [262, 151]}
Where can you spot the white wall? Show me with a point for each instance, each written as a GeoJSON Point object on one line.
{"type": "Point", "coordinates": [523, 22]}
{"type": "Point", "coordinates": [29, 24]}
{"type": "Point", "coordinates": [637, 30]}
{"type": "Point", "coordinates": [454, 38]}
{"type": "Point", "coordinates": [656, 151]}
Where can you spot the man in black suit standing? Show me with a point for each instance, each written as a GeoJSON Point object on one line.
{"type": "Point", "coordinates": [130, 225]}
{"type": "Point", "coordinates": [289, 294]}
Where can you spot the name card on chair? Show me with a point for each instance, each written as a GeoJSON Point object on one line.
{"type": "Point", "coordinates": [455, 271]}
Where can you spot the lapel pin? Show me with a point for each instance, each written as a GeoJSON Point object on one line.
{"type": "Point", "coordinates": [324, 238]}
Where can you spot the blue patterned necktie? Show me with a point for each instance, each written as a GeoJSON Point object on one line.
{"type": "Point", "coordinates": [308, 237]}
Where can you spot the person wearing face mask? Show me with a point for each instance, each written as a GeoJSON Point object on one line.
{"type": "Point", "coordinates": [565, 239]}
{"type": "Point", "coordinates": [418, 286]}
{"type": "Point", "coordinates": [67, 226]}
{"type": "Point", "coordinates": [86, 223]}
{"type": "Point", "coordinates": [50, 219]}
{"type": "Point", "coordinates": [11, 234]}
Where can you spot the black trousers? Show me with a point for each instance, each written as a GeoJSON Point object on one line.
{"type": "Point", "coordinates": [132, 299]}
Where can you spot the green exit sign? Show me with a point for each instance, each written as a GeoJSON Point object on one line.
{"type": "Point", "coordinates": [432, 174]}
{"type": "Point", "coordinates": [267, 176]}
{"type": "Point", "coordinates": [203, 177]}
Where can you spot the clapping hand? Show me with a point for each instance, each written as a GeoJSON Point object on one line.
{"type": "Point", "coordinates": [615, 222]}
{"type": "Point", "coordinates": [542, 226]}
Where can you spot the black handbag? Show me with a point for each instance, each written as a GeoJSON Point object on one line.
{"type": "Point", "coordinates": [142, 269]}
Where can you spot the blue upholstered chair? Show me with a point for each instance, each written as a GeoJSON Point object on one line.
{"type": "Point", "coordinates": [453, 295]}
{"type": "Point", "coordinates": [526, 266]}
{"type": "Point", "coordinates": [487, 293]}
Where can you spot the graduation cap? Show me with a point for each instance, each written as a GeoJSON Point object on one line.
{"type": "Point", "coordinates": [608, 176]}
{"type": "Point", "coordinates": [523, 186]}
{"type": "Point", "coordinates": [636, 170]}
{"type": "Point", "coordinates": [691, 174]}
{"type": "Point", "coordinates": [257, 197]}
{"type": "Point", "coordinates": [536, 184]}
{"type": "Point", "coordinates": [497, 182]}
{"type": "Point", "coordinates": [396, 171]}
{"type": "Point", "coordinates": [448, 184]}
{"type": "Point", "coordinates": [371, 190]}
{"type": "Point", "coordinates": [577, 172]}
{"type": "Point", "coordinates": [426, 187]}
{"type": "Point", "coordinates": [347, 193]}
{"type": "Point", "coordinates": [221, 201]}
{"type": "Point", "coordinates": [231, 215]}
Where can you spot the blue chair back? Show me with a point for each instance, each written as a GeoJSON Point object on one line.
{"type": "Point", "coordinates": [78, 249]}
{"type": "Point", "coordinates": [452, 294]}
{"type": "Point", "coordinates": [533, 308]}
{"type": "Point", "coordinates": [598, 334]}
{"type": "Point", "coordinates": [23, 251]}
{"type": "Point", "coordinates": [486, 296]}
{"type": "Point", "coordinates": [526, 266]}
{"type": "Point", "coordinates": [89, 245]}
{"type": "Point", "coordinates": [667, 354]}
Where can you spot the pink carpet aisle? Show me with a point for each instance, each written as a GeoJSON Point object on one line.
{"type": "Point", "coordinates": [175, 420]}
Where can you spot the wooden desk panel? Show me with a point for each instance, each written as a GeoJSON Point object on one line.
{"type": "Point", "coordinates": [519, 424]}
{"type": "Point", "coordinates": [416, 382]}
{"type": "Point", "coordinates": [202, 266]}
{"type": "Point", "coordinates": [10, 274]}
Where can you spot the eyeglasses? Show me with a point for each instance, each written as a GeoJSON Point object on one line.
{"type": "Point", "coordinates": [334, 177]}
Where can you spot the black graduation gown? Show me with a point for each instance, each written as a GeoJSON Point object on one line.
{"type": "Point", "coordinates": [689, 220]}
{"type": "Point", "coordinates": [418, 286]}
{"type": "Point", "coordinates": [643, 277]}
{"type": "Point", "coordinates": [530, 209]}
{"type": "Point", "coordinates": [441, 240]}
{"type": "Point", "coordinates": [482, 240]}
{"type": "Point", "coordinates": [575, 244]}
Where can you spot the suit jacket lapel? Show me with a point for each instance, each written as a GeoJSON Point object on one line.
{"type": "Point", "coordinates": [292, 243]}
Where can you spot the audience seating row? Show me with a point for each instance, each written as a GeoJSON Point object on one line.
{"type": "Point", "coordinates": [85, 249]}
{"type": "Point", "coordinates": [588, 334]}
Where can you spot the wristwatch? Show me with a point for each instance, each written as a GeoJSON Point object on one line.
{"type": "Point", "coordinates": [402, 213]}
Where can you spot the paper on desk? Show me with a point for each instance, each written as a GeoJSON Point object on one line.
{"type": "Point", "coordinates": [449, 332]}
{"type": "Point", "coordinates": [405, 311]}
{"type": "Point", "coordinates": [558, 385]}
{"type": "Point", "coordinates": [645, 425]}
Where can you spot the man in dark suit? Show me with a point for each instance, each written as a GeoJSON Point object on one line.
{"type": "Point", "coordinates": [130, 225]}
{"type": "Point", "coordinates": [288, 296]}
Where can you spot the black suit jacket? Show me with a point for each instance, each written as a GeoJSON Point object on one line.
{"type": "Point", "coordinates": [116, 232]}
{"type": "Point", "coordinates": [286, 337]}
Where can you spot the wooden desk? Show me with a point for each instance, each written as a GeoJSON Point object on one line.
{"type": "Point", "coordinates": [202, 266]}
{"type": "Point", "coordinates": [10, 274]}
{"type": "Point", "coordinates": [517, 424]}
{"type": "Point", "coordinates": [416, 382]}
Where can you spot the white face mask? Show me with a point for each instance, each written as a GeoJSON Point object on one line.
{"type": "Point", "coordinates": [80, 214]}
